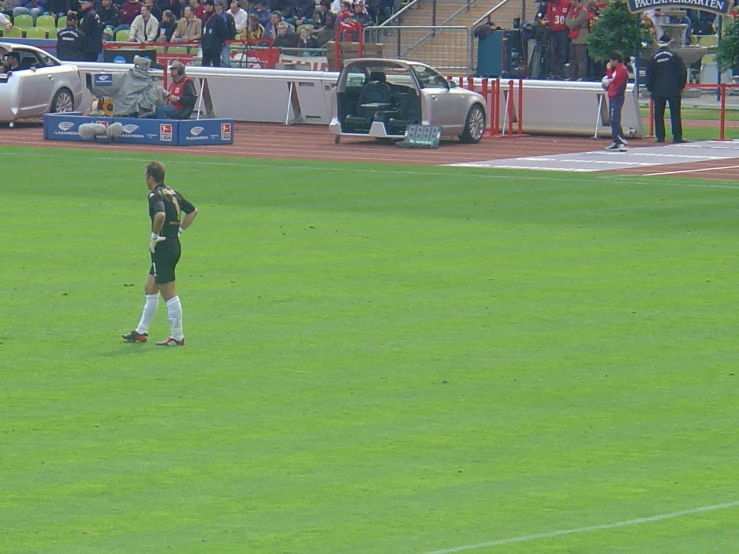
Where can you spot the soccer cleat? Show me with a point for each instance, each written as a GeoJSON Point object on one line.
{"type": "Point", "coordinates": [613, 147]}
{"type": "Point", "coordinates": [135, 336]}
{"type": "Point", "coordinates": [679, 141]}
{"type": "Point", "coordinates": [623, 148]}
{"type": "Point", "coordinates": [171, 341]}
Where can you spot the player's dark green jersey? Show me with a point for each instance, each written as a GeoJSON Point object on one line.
{"type": "Point", "coordinates": [166, 199]}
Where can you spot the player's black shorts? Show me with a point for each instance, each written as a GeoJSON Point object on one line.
{"type": "Point", "coordinates": [164, 260]}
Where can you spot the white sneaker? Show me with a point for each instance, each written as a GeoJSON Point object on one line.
{"type": "Point", "coordinates": [623, 148]}
{"type": "Point", "coordinates": [612, 147]}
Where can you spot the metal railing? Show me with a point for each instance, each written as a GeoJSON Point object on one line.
{"type": "Point", "coordinates": [397, 16]}
{"type": "Point", "coordinates": [447, 48]}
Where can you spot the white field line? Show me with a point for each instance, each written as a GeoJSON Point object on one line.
{"type": "Point", "coordinates": [590, 529]}
{"type": "Point", "coordinates": [691, 170]}
{"type": "Point", "coordinates": [347, 168]}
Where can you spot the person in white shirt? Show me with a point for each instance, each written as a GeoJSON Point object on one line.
{"type": "Point", "coordinates": [145, 27]}
{"type": "Point", "coordinates": [241, 18]}
{"type": "Point", "coordinates": [5, 22]}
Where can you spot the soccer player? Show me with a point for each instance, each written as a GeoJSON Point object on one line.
{"type": "Point", "coordinates": [166, 205]}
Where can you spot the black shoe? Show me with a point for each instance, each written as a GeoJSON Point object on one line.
{"type": "Point", "coordinates": [679, 141]}
{"type": "Point", "coordinates": [135, 336]}
{"type": "Point", "coordinates": [660, 141]}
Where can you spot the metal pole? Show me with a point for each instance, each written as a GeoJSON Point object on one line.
{"type": "Point", "coordinates": [718, 78]}
{"type": "Point", "coordinates": [433, 14]}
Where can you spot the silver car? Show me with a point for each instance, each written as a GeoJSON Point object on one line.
{"type": "Point", "coordinates": [380, 98]}
{"type": "Point", "coordinates": [41, 85]}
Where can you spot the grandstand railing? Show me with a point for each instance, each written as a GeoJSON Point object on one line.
{"type": "Point", "coordinates": [397, 17]}
{"type": "Point", "coordinates": [447, 48]}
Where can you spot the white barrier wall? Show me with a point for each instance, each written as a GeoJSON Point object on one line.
{"type": "Point", "coordinates": [294, 96]}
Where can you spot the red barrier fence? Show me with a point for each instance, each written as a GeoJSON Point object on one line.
{"type": "Point", "coordinates": [720, 88]}
{"type": "Point", "coordinates": [494, 97]}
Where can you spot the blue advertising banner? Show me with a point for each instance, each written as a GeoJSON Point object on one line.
{"type": "Point", "coordinates": [171, 132]}
{"type": "Point", "coordinates": [205, 131]}
{"type": "Point", "coordinates": [719, 7]}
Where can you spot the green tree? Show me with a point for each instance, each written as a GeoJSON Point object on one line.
{"type": "Point", "coordinates": [617, 29]}
{"type": "Point", "coordinates": [727, 52]}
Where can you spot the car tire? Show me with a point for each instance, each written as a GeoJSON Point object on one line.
{"type": "Point", "coordinates": [474, 125]}
{"type": "Point", "coordinates": [62, 102]}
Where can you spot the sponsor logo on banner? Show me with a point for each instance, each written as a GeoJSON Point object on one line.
{"type": "Point", "coordinates": [65, 125]}
{"type": "Point", "coordinates": [195, 131]}
{"type": "Point", "coordinates": [165, 132]}
{"type": "Point", "coordinates": [130, 128]}
{"type": "Point", "coordinates": [225, 131]}
{"type": "Point", "coordinates": [103, 80]}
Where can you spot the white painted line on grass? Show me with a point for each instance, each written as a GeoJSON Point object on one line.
{"type": "Point", "coordinates": [692, 170]}
{"type": "Point", "coordinates": [554, 534]}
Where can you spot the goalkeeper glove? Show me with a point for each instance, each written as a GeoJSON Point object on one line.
{"type": "Point", "coordinates": [153, 240]}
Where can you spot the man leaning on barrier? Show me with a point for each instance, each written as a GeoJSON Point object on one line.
{"type": "Point", "coordinates": [181, 95]}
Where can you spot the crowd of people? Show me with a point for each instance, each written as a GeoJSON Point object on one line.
{"type": "Point", "coordinates": [302, 24]}
{"type": "Point", "coordinates": [567, 26]}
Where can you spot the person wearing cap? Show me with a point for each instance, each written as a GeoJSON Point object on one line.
{"type": "Point", "coordinates": [215, 33]}
{"type": "Point", "coordinates": [181, 95]}
{"type": "Point", "coordinates": [360, 14]}
{"type": "Point", "coordinates": [92, 28]}
{"type": "Point", "coordinates": [666, 77]}
{"type": "Point", "coordinates": [70, 43]}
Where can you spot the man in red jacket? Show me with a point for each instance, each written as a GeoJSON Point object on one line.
{"type": "Point", "coordinates": [615, 83]}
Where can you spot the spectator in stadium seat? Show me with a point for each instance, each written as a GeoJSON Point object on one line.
{"type": "Point", "coordinates": [34, 8]}
{"type": "Point", "coordinates": [327, 32]}
{"type": "Point", "coordinates": [167, 27]}
{"type": "Point", "coordinates": [128, 12]}
{"type": "Point", "coordinates": [215, 33]}
{"type": "Point", "coordinates": [198, 9]}
{"type": "Point", "coordinates": [361, 15]}
{"type": "Point", "coordinates": [307, 40]}
{"type": "Point", "coordinates": [284, 39]}
{"type": "Point", "coordinates": [253, 29]}
{"type": "Point", "coordinates": [240, 16]}
{"type": "Point", "coordinates": [154, 9]}
{"type": "Point", "coordinates": [301, 12]}
{"type": "Point", "coordinates": [270, 30]}
{"type": "Point", "coordinates": [320, 14]}
{"type": "Point", "coordinates": [262, 12]}
{"type": "Point", "coordinates": [145, 27]}
{"type": "Point", "coordinates": [189, 28]}
{"type": "Point", "coordinates": [70, 43]}
{"type": "Point", "coordinates": [109, 16]}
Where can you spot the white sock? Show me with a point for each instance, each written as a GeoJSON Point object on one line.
{"type": "Point", "coordinates": [150, 309]}
{"type": "Point", "coordinates": [174, 311]}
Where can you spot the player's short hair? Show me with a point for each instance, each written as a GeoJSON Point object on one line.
{"type": "Point", "coordinates": [156, 171]}
{"type": "Point", "coordinates": [616, 56]}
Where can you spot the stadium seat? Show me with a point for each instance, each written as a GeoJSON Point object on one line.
{"type": "Point", "coordinates": [15, 32]}
{"type": "Point", "coordinates": [708, 40]}
{"type": "Point", "coordinates": [61, 23]}
{"type": "Point", "coordinates": [36, 32]}
{"type": "Point", "coordinates": [23, 21]}
{"type": "Point", "coordinates": [46, 22]}
{"type": "Point", "coordinates": [122, 36]}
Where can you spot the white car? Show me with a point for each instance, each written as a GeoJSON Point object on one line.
{"type": "Point", "coordinates": [379, 98]}
{"type": "Point", "coordinates": [43, 84]}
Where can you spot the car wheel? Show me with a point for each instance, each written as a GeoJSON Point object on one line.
{"type": "Point", "coordinates": [63, 101]}
{"type": "Point", "coordinates": [474, 126]}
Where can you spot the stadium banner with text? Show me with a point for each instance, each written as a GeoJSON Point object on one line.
{"type": "Point", "coordinates": [171, 132]}
{"type": "Point", "coordinates": [719, 7]}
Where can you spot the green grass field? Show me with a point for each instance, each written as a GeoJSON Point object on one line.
{"type": "Point", "coordinates": [380, 359]}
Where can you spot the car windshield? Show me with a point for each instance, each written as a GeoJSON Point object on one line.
{"type": "Point", "coordinates": [429, 78]}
